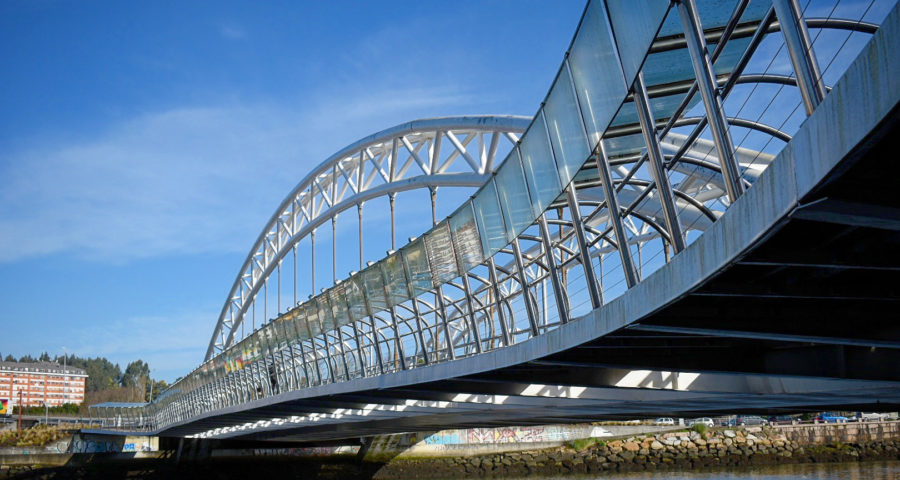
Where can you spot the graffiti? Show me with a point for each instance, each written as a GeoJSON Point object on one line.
{"type": "Point", "coordinates": [103, 444]}
{"type": "Point", "coordinates": [93, 446]}
{"type": "Point", "coordinates": [549, 433]}
{"type": "Point", "coordinates": [306, 452]}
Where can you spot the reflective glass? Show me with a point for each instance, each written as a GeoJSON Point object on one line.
{"type": "Point", "coordinates": [490, 219]}
{"type": "Point", "coordinates": [540, 169]}
{"type": "Point", "coordinates": [338, 304]}
{"type": "Point", "coordinates": [570, 146]}
{"type": "Point", "coordinates": [634, 26]}
{"type": "Point", "coordinates": [300, 323]}
{"type": "Point", "coordinates": [374, 284]}
{"type": "Point", "coordinates": [596, 70]}
{"type": "Point", "coordinates": [416, 262]}
{"type": "Point", "coordinates": [441, 256]}
{"type": "Point", "coordinates": [466, 241]}
{"type": "Point", "coordinates": [514, 198]}
{"type": "Point", "coordinates": [395, 280]}
{"type": "Point", "coordinates": [358, 309]}
{"type": "Point", "coordinates": [325, 316]}
{"type": "Point", "coordinates": [312, 317]}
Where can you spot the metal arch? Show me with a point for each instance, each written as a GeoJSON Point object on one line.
{"type": "Point", "coordinates": [322, 194]}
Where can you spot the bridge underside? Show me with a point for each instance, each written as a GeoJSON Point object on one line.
{"type": "Point", "coordinates": [811, 311]}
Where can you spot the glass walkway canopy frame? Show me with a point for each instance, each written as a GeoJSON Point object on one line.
{"type": "Point", "coordinates": [661, 115]}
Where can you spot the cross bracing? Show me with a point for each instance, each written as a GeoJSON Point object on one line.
{"type": "Point", "coordinates": [642, 150]}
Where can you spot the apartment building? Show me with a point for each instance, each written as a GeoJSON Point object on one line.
{"type": "Point", "coordinates": [41, 382]}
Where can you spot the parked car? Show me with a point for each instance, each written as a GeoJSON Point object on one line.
{"type": "Point", "coordinates": [829, 417]}
{"type": "Point", "coordinates": [872, 417]}
{"type": "Point", "coordinates": [704, 420]}
{"type": "Point", "coordinates": [749, 420]}
{"type": "Point", "coordinates": [782, 420]}
{"type": "Point", "coordinates": [665, 421]}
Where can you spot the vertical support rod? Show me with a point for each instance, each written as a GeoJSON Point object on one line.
{"type": "Point", "coordinates": [612, 207]}
{"type": "Point", "coordinates": [393, 224]}
{"type": "Point", "coordinates": [470, 304]}
{"type": "Point", "coordinates": [401, 354]}
{"type": "Point", "coordinates": [562, 302]}
{"type": "Point", "coordinates": [526, 290]}
{"type": "Point", "coordinates": [295, 276]}
{"type": "Point", "coordinates": [278, 307]}
{"type": "Point", "coordinates": [504, 328]}
{"type": "Point", "coordinates": [433, 191]}
{"type": "Point", "coordinates": [584, 251]}
{"type": "Point", "coordinates": [654, 153]}
{"type": "Point", "coordinates": [312, 264]}
{"type": "Point", "coordinates": [712, 101]}
{"type": "Point", "coordinates": [334, 250]}
{"type": "Point", "coordinates": [799, 45]}
{"type": "Point", "coordinates": [359, 212]}
{"type": "Point", "coordinates": [439, 301]}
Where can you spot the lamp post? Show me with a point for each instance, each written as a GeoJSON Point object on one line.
{"type": "Point", "coordinates": [20, 413]}
{"type": "Point", "coordinates": [46, 413]}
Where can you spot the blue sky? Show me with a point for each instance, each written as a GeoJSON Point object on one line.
{"type": "Point", "coordinates": [143, 145]}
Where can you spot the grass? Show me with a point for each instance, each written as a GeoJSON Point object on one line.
{"type": "Point", "coordinates": [583, 443]}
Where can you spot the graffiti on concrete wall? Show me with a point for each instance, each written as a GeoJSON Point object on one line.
{"type": "Point", "coordinates": [548, 433]}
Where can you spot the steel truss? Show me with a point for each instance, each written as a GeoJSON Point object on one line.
{"type": "Point", "coordinates": [655, 178]}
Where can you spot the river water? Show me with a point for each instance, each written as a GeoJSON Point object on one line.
{"type": "Point", "coordinates": [811, 471]}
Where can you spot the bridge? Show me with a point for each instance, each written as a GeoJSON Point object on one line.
{"type": "Point", "coordinates": [702, 216]}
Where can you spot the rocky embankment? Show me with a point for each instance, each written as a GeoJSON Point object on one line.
{"type": "Point", "coordinates": [671, 451]}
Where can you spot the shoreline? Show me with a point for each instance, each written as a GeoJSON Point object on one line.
{"type": "Point", "coordinates": [674, 451]}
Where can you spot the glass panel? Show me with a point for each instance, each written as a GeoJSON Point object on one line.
{"type": "Point", "coordinates": [374, 284]}
{"type": "Point", "coordinates": [596, 70]}
{"type": "Point", "coordinates": [567, 137]}
{"type": "Point", "coordinates": [395, 280]}
{"type": "Point", "coordinates": [358, 308]}
{"type": "Point", "coordinates": [634, 25]}
{"type": "Point", "coordinates": [441, 256]}
{"type": "Point", "coordinates": [466, 241]}
{"type": "Point", "coordinates": [325, 316]}
{"type": "Point", "coordinates": [338, 304]}
{"type": "Point", "coordinates": [540, 169]}
{"type": "Point", "coordinates": [514, 198]}
{"type": "Point", "coordinates": [312, 317]}
{"type": "Point", "coordinates": [300, 323]}
{"type": "Point", "coordinates": [490, 219]}
{"type": "Point", "coordinates": [416, 263]}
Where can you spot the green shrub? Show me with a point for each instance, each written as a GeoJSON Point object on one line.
{"type": "Point", "coordinates": [700, 428]}
{"type": "Point", "coordinates": [583, 443]}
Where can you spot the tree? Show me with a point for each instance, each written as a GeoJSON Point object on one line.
{"type": "Point", "coordinates": [135, 373]}
{"type": "Point", "coordinates": [10, 358]}
{"type": "Point", "coordinates": [45, 357]}
{"type": "Point", "coordinates": [27, 359]}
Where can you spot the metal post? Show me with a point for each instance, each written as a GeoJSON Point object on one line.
{"type": "Point", "coordinates": [433, 191]}
{"type": "Point", "coordinates": [312, 237]}
{"type": "Point", "coordinates": [295, 276]}
{"type": "Point", "coordinates": [397, 343]}
{"type": "Point", "coordinates": [334, 249]}
{"type": "Point", "coordinates": [584, 251]}
{"type": "Point", "coordinates": [393, 225]}
{"type": "Point", "coordinates": [654, 153]}
{"type": "Point", "coordinates": [562, 302]}
{"type": "Point", "coordinates": [507, 339]}
{"type": "Point", "coordinates": [359, 211]}
{"type": "Point", "coordinates": [806, 67]}
{"type": "Point", "coordinates": [712, 101]}
{"type": "Point", "coordinates": [470, 303]}
{"type": "Point", "coordinates": [439, 301]}
{"type": "Point", "coordinates": [523, 281]}
{"type": "Point", "coordinates": [278, 296]}
{"type": "Point", "coordinates": [420, 329]}
{"type": "Point", "coordinates": [612, 207]}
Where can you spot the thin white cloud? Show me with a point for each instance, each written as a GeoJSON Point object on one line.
{"type": "Point", "coordinates": [182, 181]}
{"type": "Point", "coordinates": [232, 32]}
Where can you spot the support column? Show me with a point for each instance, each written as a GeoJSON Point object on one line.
{"type": "Point", "coordinates": [526, 290]}
{"type": "Point", "coordinates": [584, 251]}
{"type": "Point", "coordinates": [612, 207]}
{"type": "Point", "coordinates": [799, 45]}
{"type": "Point", "coordinates": [712, 101]}
{"type": "Point", "coordinates": [562, 302]}
{"type": "Point", "coordinates": [507, 339]}
{"type": "Point", "coordinates": [657, 169]}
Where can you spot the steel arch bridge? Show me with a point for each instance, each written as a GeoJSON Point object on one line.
{"type": "Point", "coordinates": [687, 224]}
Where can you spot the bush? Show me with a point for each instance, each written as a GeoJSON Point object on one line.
{"type": "Point", "coordinates": [583, 443]}
{"type": "Point", "coordinates": [700, 428]}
